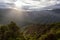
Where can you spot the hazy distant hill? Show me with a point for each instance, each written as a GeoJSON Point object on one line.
{"type": "Point", "coordinates": [45, 16]}
{"type": "Point", "coordinates": [24, 18]}
{"type": "Point", "coordinates": [7, 14]}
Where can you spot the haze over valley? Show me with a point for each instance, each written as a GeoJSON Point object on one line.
{"type": "Point", "coordinates": [23, 17]}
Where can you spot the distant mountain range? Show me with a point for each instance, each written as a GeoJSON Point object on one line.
{"type": "Point", "coordinates": [45, 16]}
{"type": "Point", "coordinates": [28, 17]}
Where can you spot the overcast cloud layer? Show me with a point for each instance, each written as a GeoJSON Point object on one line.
{"type": "Point", "coordinates": [30, 4]}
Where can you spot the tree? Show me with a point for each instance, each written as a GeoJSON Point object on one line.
{"type": "Point", "coordinates": [10, 32]}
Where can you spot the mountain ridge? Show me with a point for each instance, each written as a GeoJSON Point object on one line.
{"type": "Point", "coordinates": [25, 18]}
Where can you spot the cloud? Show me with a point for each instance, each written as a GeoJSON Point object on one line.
{"type": "Point", "coordinates": [7, 1]}
{"type": "Point", "coordinates": [38, 4]}
{"type": "Point", "coordinates": [36, 0]}
{"type": "Point", "coordinates": [6, 4]}
{"type": "Point", "coordinates": [30, 4]}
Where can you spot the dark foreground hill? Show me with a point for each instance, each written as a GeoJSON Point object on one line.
{"type": "Point", "coordinates": [43, 31]}
{"type": "Point", "coordinates": [31, 32]}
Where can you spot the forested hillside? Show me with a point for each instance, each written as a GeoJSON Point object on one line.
{"type": "Point", "coordinates": [31, 32]}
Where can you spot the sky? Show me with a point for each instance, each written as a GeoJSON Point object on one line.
{"type": "Point", "coordinates": [29, 4]}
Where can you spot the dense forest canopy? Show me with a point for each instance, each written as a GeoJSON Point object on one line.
{"type": "Point", "coordinates": [31, 32]}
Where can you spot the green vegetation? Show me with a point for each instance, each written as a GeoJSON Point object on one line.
{"type": "Point", "coordinates": [31, 32]}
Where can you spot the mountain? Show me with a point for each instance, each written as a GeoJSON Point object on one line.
{"type": "Point", "coordinates": [28, 17]}
{"type": "Point", "coordinates": [56, 11]}
{"type": "Point", "coordinates": [40, 28]}
{"type": "Point", "coordinates": [42, 31]}
{"type": "Point", "coordinates": [45, 16]}
{"type": "Point", "coordinates": [7, 15]}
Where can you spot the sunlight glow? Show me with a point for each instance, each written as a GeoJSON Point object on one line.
{"type": "Point", "coordinates": [18, 4]}
{"type": "Point", "coordinates": [35, 4]}
{"type": "Point", "coordinates": [32, 4]}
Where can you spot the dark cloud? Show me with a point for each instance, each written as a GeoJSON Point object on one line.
{"type": "Point", "coordinates": [6, 5]}
{"type": "Point", "coordinates": [11, 4]}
